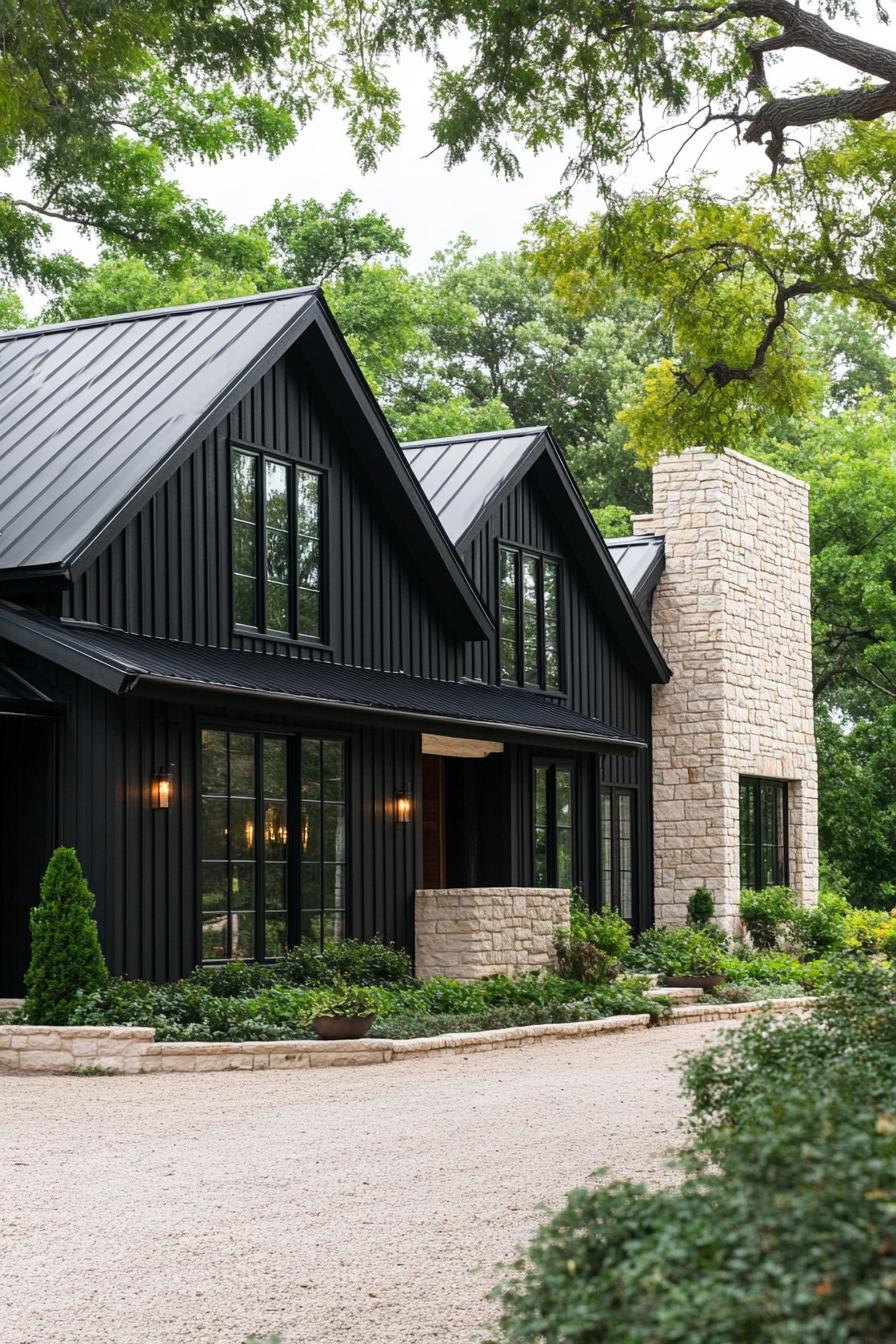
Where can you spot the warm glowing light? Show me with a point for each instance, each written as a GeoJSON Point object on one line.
{"type": "Point", "coordinates": [163, 787]}
{"type": "Point", "coordinates": [306, 830]}
{"type": "Point", "coordinates": [250, 834]}
{"type": "Point", "coordinates": [404, 805]}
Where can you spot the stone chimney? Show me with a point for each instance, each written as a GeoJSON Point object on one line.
{"type": "Point", "coordinates": [732, 617]}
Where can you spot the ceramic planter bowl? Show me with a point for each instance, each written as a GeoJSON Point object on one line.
{"type": "Point", "coordinates": [342, 1028]}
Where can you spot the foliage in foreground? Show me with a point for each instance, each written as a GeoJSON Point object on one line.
{"type": "Point", "coordinates": [793, 1129]}
{"type": "Point", "coordinates": [66, 959]}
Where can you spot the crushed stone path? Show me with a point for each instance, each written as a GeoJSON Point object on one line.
{"type": "Point", "coordinates": [356, 1206]}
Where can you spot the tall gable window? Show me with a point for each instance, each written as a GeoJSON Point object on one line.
{"type": "Point", "coordinates": [763, 833]}
{"type": "Point", "coordinates": [277, 510]}
{"type": "Point", "coordinates": [528, 618]}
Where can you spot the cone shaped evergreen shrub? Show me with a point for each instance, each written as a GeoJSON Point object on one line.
{"type": "Point", "coordinates": [65, 946]}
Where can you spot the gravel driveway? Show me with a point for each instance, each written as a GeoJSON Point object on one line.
{"type": "Point", "coordinates": [367, 1205]}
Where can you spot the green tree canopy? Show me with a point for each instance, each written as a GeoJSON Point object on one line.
{"type": "Point", "coordinates": [101, 101]}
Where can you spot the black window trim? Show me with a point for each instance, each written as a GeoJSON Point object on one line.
{"type": "Point", "coordinates": [552, 764]}
{"type": "Point", "coordinates": [521, 550]}
{"type": "Point", "coordinates": [263, 455]}
{"type": "Point", "coordinates": [293, 735]}
{"type": "Point", "coordinates": [755, 782]}
{"type": "Point", "coordinates": [612, 899]}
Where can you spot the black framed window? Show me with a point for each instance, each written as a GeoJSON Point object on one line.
{"type": "Point", "coordinates": [764, 858]}
{"type": "Point", "coordinates": [277, 526]}
{"type": "Point", "coordinates": [267, 880]}
{"type": "Point", "coordinates": [617, 849]}
{"type": "Point", "coordinates": [552, 820]}
{"type": "Point", "coordinates": [529, 618]}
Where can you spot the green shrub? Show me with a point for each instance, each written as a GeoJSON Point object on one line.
{"type": "Point", "coordinates": [768, 914]}
{"type": "Point", "coordinates": [682, 951]}
{"type": "Point", "coordinates": [762, 968]}
{"type": "Point", "coordinates": [66, 957]}
{"type": "Point", "coordinates": [578, 960]}
{"type": "Point", "coordinates": [781, 1228]}
{"type": "Point", "coordinates": [234, 979]}
{"type": "Point", "coordinates": [701, 907]}
{"type": "Point", "coordinates": [357, 963]}
{"type": "Point", "coordinates": [604, 929]}
{"type": "Point", "coordinates": [821, 930]}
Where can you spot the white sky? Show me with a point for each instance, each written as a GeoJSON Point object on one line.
{"type": "Point", "coordinates": [418, 193]}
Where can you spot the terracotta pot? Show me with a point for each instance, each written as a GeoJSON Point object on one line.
{"type": "Point", "coordinates": [342, 1028]}
{"type": "Point", "coordinates": [692, 981]}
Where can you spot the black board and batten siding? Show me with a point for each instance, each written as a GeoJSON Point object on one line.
{"type": "Point", "coordinates": [167, 574]}
{"type": "Point", "coordinates": [597, 680]}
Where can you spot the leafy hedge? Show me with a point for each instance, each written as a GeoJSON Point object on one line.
{"type": "Point", "coordinates": [782, 1228]}
{"type": "Point", "coordinates": [242, 1001]}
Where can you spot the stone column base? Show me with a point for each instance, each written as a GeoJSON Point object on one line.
{"type": "Point", "coordinates": [466, 933]}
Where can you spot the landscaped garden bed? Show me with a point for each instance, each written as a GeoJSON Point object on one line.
{"type": "Point", "coordinates": [371, 987]}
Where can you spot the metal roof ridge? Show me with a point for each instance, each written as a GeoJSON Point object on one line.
{"type": "Point", "coordinates": [479, 437]}
{"type": "Point", "coordinates": [208, 305]}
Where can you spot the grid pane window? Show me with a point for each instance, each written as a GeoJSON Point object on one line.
{"type": "Point", "coordinates": [323, 845]}
{"type": "Point", "coordinates": [508, 626]}
{"type": "Point", "coordinates": [261, 884]}
{"type": "Point", "coordinates": [281, 504]}
{"type": "Point", "coordinates": [617, 850]}
{"type": "Point", "coordinates": [552, 818]}
{"type": "Point", "coordinates": [529, 622]}
{"type": "Point", "coordinates": [763, 833]}
{"type": "Point", "coordinates": [308, 552]}
{"type": "Point", "coordinates": [228, 845]}
{"type": "Point", "coordinates": [245, 538]}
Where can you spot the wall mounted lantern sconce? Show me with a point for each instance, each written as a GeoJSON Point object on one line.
{"type": "Point", "coordinates": [404, 804]}
{"type": "Point", "coordinates": [163, 787]}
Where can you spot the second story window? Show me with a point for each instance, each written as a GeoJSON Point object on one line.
{"type": "Point", "coordinates": [528, 618]}
{"type": "Point", "coordinates": [277, 511]}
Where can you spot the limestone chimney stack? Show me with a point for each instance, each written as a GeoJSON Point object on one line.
{"type": "Point", "coordinates": [732, 616]}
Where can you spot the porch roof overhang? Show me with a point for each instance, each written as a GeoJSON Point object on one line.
{"type": "Point", "coordinates": [164, 669]}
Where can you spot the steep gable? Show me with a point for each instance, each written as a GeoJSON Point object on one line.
{"type": "Point", "coordinates": [95, 416]}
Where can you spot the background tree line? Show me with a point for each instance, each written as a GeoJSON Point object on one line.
{"type": "Point", "coordinates": [483, 342]}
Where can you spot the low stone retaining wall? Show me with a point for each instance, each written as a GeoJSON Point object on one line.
{"type": "Point", "coordinates": [467, 933]}
{"type": "Point", "coordinates": [135, 1050]}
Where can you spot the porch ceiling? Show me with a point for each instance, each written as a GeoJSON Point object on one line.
{"type": "Point", "coordinates": [128, 664]}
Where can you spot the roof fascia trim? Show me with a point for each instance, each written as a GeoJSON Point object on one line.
{"type": "Point", "coordinates": [643, 646]}
{"type": "Point", "coordinates": [469, 607]}
{"type": "Point", "coordinates": [25, 632]}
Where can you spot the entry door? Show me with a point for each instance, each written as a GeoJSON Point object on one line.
{"type": "Point", "coordinates": [27, 828]}
{"type": "Point", "coordinates": [433, 822]}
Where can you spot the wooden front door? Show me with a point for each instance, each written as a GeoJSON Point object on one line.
{"type": "Point", "coordinates": [433, 822]}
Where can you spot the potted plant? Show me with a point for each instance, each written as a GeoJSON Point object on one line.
{"type": "Point", "coordinates": [689, 958]}
{"type": "Point", "coordinates": [344, 1013]}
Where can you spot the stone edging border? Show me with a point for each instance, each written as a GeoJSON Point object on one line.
{"type": "Point", "coordinates": [31, 1050]}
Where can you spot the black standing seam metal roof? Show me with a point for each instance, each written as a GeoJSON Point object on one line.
{"type": "Point", "coordinates": [466, 478]}
{"type": "Point", "coordinates": [640, 561]}
{"type": "Point", "coordinates": [89, 409]}
{"type": "Point", "coordinates": [126, 664]}
{"type": "Point", "coordinates": [95, 414]}
{"type": "Point", "coordinates": [463, 476]}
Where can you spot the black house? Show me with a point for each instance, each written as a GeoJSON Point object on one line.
{"type": "Point", "coordinates": [269, 672]}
